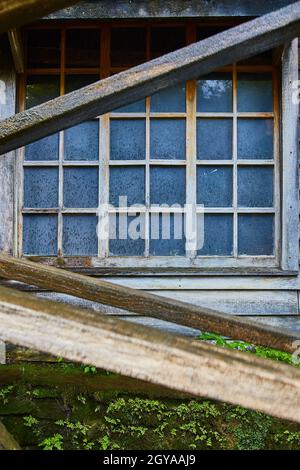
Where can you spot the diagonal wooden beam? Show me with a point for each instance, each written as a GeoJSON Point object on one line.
{"type": "Point", "coordinates": [7, 441]}
{"type": "Point", "coordinates": [190, 62]}
{"type": "Point", "coordinates": [136, 351]}
{"type": "Point", "coordinates": [15, 13]}
{"type": "Point", "coordinates": [147, 304]}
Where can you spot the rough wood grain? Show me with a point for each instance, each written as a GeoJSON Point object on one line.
{"type": "Point", "coordinates": [106, 9]}
{"type": "Point", "coordinates": [127, 87]}
{"type": "Point", "coordinates": [18, 12]}
{"type": "Point", "coordinates": [187, 366]}
{"type": "Point", "coordinates": [147, 304]}
{"type": "Point", "coordinates": [17, 49]}
{"type": "Point", "coordinates": [7, 442]}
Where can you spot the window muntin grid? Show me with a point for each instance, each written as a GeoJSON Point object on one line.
{"type": "Point", "coordinates": [178, 112]}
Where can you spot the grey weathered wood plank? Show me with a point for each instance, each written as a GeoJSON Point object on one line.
{"type": "Point", "coordinates": [17, 50]}
{"type": "Point", "coordinates": [137, 9]}
{"type": "Point", "coordinates": [147, 304]}
{"type": "Point", "coordinates": [140, 352]}
{"type": "Point", "coordinates": [127, 87]}
{"type": "Point", "coordinates": [15, 13]}
{"type": "Point", "coordinates": [7, 441]}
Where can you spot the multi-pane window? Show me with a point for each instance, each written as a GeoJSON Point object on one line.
{"type": "Point", "coordinates": [209, 144]}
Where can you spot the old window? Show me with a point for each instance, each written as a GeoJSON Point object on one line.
{"type": "Point", "coordinates": [211, 144]}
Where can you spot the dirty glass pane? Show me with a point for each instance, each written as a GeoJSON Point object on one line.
{"type": "Point", "coordinates": [167, 39]}
{"type": "Point", "coordinates": [74, 82]}
{"type": "Point", "coordinates": [128, 182]}
{"type": "Point", "coordinates": [167, 236]}
{"type": "Point", "coordinates": [171, 100]}
{"type": "Point", "coordinates": [127, 139]}
{"type": "Point", "coordinates": [40, 187]}
{"type": "Point", "coordinates": [214, 139]}
{"type": "Point", "coordinates": [255, 139]}
{"type": "Point", "coordinates": [43, 149]}
{"type": "Point", "coordinates": [218, 235]}
{"type": "Point", "coordinates": [82, 48]}
{"type": "Point", "coordinates": [255, 187]}
{"type": "Point", "coordinates": [167, 185]}
{"type": "Point", "coordinates": [168, 139]}
{"type": "Point", "coordinates": [128, 46]}
{"type": "Point", "coordinates": [214, 93]}
{"type": "Point", "coordinates": [214, 186]}
{"type": "Point", "coordinates": [43, 48]}
{"type": "Point", "coordinates": [40, 235]}
{"type": "Point", "coordinates": [137, 107]}
{"type": "Point", "coordinates": [41, 88]}
{"type": "Point", "coordinates": [82, 141]}
{"type": "Point", "coordinates": [256, 234]}
{"type": "Point", "coordinates": [127, 235]}
{"type": "Point", "coordinates": [255, 92]}
{"type": "Point", "coordinates": [80, 235]}
{"type": "Point", "coordinates": [81, 187]}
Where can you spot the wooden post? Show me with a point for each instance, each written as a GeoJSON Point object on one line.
{"type": "Point", "coordinates": [7, 442]}
{"type": "Point", "coordinates": [17, 12]}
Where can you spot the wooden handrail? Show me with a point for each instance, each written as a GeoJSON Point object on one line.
{"type": "Point", "coordinates": [144, 353]}
{"type": "Point", "coordinates": [238, 43]}
{"type": "Point", "coordinates": [203, 318]}
{"type": "Point", "coordinates": [15, 13]}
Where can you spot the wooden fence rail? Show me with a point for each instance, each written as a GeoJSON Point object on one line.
{"type": "Point", "coordinates": [15, 13]}
{"type": "Point", "coordinates": [136, 351]}
{"type": "Point", "coordinates": [206, 319]}
{"type": "Point", "coordinates": [238, 43]}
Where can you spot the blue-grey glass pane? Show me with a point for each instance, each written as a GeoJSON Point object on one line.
{"type": "Point", "coordinates": [168, 139]}
{"type": "Point", "coordinates": [254, 92]}
{"type": "Point", "coordinates": [127, 139]}
{"type": "Point", "coordinates": [171, 100]}
{"type": "Point", "coordinates": [40, 235]}
{"type": "Point", "coordinates": [82, 141]}
{"type": "Point", "coordinates": [80, 235]}
{"type": "Point", "coordinates": [214, 186]}
{"type": "Point", "coordinates": [137, 107]}
{"type": "Point", "coordinates": [81, 187]}
{"type": "Point", "coordinates": [74, 82]}
{"type": "Point", "coordinates": [41, 88]}
{"type": "Point", "coordinates": [218, 235]}
{"type": "Point", "coordinates": [167, 185]}
{"type": "Point", "coordinates": [167, 236]}
{"type": "Point", "coordinates": [255, 139]}
{"type": "Point", "coordinates": [127, 235]}
{"type": "Point", "coordinates": [128, 182]}
{"type": "Point", "coordinates": [44, 149]}
{"type": "Point", "coordinates": [40, 187]}
{"type": "Point", "coordinates": [214, 93]}
{"type": "Point", "coordinates": [255, 187]}
{"type": "Point", "coordinates": [256, 234]}
{"type": "Point", "coordinates": [214, 139]}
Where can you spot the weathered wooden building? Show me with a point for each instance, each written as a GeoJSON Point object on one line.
{"type": "Point", "coordinates": [227, 141]}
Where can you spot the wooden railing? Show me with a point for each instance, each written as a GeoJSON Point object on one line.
{"type": "Point", "coordinates": [136, 351]}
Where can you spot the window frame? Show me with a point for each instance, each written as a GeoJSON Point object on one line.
{"type": "Point", "coordinates": [284, 259]}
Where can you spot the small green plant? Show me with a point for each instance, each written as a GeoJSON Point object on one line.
{"type": "Point", "coordinates": [90, 370]}
{"type": "Point", "coordinates": [30, 421]}
{"type": "Point", "coordinates": [52, 443]}
{"type": "Point", "coordinates": [4, 392]}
